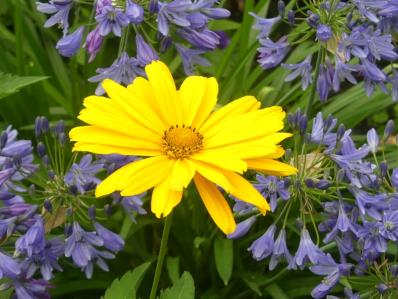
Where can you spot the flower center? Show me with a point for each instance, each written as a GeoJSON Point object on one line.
{"type": "Point", "coordinates": [181, 142]}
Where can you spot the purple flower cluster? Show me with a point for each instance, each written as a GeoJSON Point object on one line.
{"type": "Point", "coordinates": [359, 48]}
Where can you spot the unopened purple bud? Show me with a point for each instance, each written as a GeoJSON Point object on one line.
{"type": "Point", "coordinates": [60, 127]}
{"type": "Point", "coordinates": [313, 20]}
{"type": "Point", "coordinates": [340, 131]}
{"type": "Point", "coordinates": [224, 39]}
{"type": "Point", "coordinates": [41, 125]}
{"type": "Point", "coordinates": [51, 174]}
{"type": "Point", "coordinates": [242, 228]}
{"type": "Point", "coordinates": [41, 149]}
{"type": "Point", "coordinates": [323, 184]}
{"type": "Point", "coordinates": [3, 139]}
{"type": "Point", "coordinates": [309, 183]}
{"type": "Point", "coordinates": [31, 190]}
{"type": "Point", "coordinates": [70, 44]}
{"type": "Point", "coordinates": [291, 120]}
{"type": "Point", "coordinates": [69, 212]}
{"type": "Point", "coordinates": [303, 124]}
{"type": "Point", "coordinates": [383, 168]}
{"type": "Point", "coordinates": [73, 190]}
{"type": "Point", "coordinates": [91, 212]}
{"type": "Point", "coordinates": [291, 17]}
{"type": "Point", "coordinates": [48, 206]}
{"type": "Point", "coordinates": [394, 270]}
{"type": "Point", "coordinates": [281, 8]}
{"type": "Point", "coordinates": [323, 33]}
{"type": "Point", "coordinates": [373, 140]}
{"type": "Point", "coordinates": [134, 12]}
{"type": "Point", "coordinates": [389, 129]}
{"type": "Point", "coordinates": [299, 224]}
{"type": "Point", "coordinates": [68, 229]}
{"type": "Point", "coordinates": [382, 288]}
{"type": "Point", "coordinates": [165, 43]}
{"type": "Point", "coordinates": [93, 43]}
{"type": "Point", "coordinates": [108, 210]}
{"type": "Point", "coordinates": [46, 160]}
{"type": "Point", "coordinates": [62, 138]}
{"type": "Point", "coordinates": [153, 6]}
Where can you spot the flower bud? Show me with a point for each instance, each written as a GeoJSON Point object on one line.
{"type": "Point", "coordinates": [389, 129]}
{"type": "Point", "coordinates": [281, 8]}
{"type": "Point", "coordinates": [383, 169]}
{"type": "Point", "coordinates": [3, 139]}
{"type": "Point", "coordinates": [291, 17]}
{"type": "Point", "coordinates": [91, 212]}
{"type": "Point", "coordinates": [48, 206]}
{"type": "Point", "coordinates": [41, 149]}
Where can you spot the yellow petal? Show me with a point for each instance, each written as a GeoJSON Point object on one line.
{"type": "Point", "coordinates": [213, 174]}
{"type": "Point", "coordinates": [271, 167]}
{"type": "Point", "coordinates": [164, 90]}
{"type": "Point", "coordinates": [118, 180]}
{"type": "Point", "coordinates": [199, 95]}
{"type": "Point", "coordinates": [181, 174]}
{"type": "Point", "coordinates": [147, 175]}
{"type": "Point", "coordinates": [137, 108]}
{"type": "Point", "coordinates": [164, 199]}
{"type": "Point", "coordinates": [228, 162]}
{"type": "Point", "coordinates": [245, 191]}
{"type": "Point", "coordinates": [215, 204]}
{"type": "Point", "coordinates": [112, 149]}
{"type": "Point", "coordinates": [237, 107]}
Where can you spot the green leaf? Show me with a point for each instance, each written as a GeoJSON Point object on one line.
{"type": "Point", "coordinates": [276, 292]}
{"type": "Point", "coordinates": [173, 268]}
{"type": "Point", "coordinates": [10, 84]}
{"type": "Point", "coordinates": [223, 254]}
{"type": "Point", "coordinates": [126, 287]}
{"type": "Point", "coordinates": [184, 288]}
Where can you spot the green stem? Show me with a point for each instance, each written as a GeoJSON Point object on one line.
{"type": "Point", "coordinates": [313, 87]}
{"type": "Point", "coordinates": [162, 253]}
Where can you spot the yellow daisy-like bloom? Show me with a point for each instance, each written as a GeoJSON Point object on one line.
{"type": "Point", "coordinates": [182, 139]}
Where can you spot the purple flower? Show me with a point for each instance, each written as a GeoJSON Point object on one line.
{"type": "Point", "coordinates": [394, 178]}
{"type": "Point", "coordinates": [83, 174]}
{"type": "Point", "coordinates": [111, 240]}
{"type": "Point", "coordinates": [369, 204]}
{"type": "Point", "coordinates": [97, 257]}
{"type": "Point", "coordinates": [264, 25]}
{"type": "Point", "coordinates": [371, 72]}
{"type": "Point", "coordinates": [33, 241]}
{"type": "Point", "coordinates": [204, 39]}
{"type": "Point", "coordinates": [389, 226]}
{"type": "Point", "coordinates": [322, 131]}
{"type": "Point", "coordinates": [93, 43]}
{"type": "Point", "coordinates": [263, 246]}
{"type": "Point", "coordinates": [190, 57]}
{"type": "Point", "coordinates": [111, 19]}
{"type": "Point", "coordinates": [366, 9]}
{"type": "Point", "coordinates": [272, 188]}
{"type": "Point", "coordinates": [242, 228]}
{"type": "Point", "coordinates": [206, 8]}
{"type": "Point", "coordinates": [373, 140]}
{"type": "Point", "coordinates": [31, 288]}
{"type": "Point", "coordinates": [123, 70]}
{"type": "Point", "coordinates": [70, 44]}
{"type": "Point", "coordinates": [324, 82]}
{"type": "Point", "coordinates": [80, 245]}
{"type": "Point", "coordinates": [272, 53]}
{"type": "Point", "coordinates": [323, 32]}
{"type": "Point", "coordinates": [175, 12]}
{"type": "Point", "coordinates": [145, 53]}
{"type": "Point", "coordinates": [373, 242]}
{"type": "Point", "coordinates": [393, 79]}
{"type": "Point", "coordinates": [281, 251]}
{"type": "Point", "coordinates": [59, 9]}
{"type": "Point", "coordinates": [327, 266]}
{"type": "Point", "coordinates": [46, 260]}
{"type": "Point", "coordinates": [307, 250]}
{"type": "Point", "coordinates": [302, 69]}
{"type": "Point", "coordinates": [134, 12]}
{"type": "Point", "coordinates": [342, 72]}
{"type": "Point", "coordinates": [8, 267]}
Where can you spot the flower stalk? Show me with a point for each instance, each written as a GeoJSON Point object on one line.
{"type": "Point", "coordinates": [162, 254]}
{"type": "Point", "coordinates": [313, 87]}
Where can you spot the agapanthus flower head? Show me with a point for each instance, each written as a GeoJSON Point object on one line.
{"type": "Point", "coordinates": [146, 121]}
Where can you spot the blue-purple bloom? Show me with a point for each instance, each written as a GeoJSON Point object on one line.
{"type": "Point", "coordinates": [272, 188]}
{"type": "Point", "coordinates": [272, 53]}
{"type": "Point", "coordinates": [134, 12]}
{"type": "Point", "coordinates": [327, 266]}
{"type": "Point", "coordinates": [111, 240]}
{"type": "Point", "coordinates": [33, 241]}
{"type": "Point", "coordinates": [82, 175]}
{"type": "Point", "coordinates": [307, 250]}
{"type": "Point", "coordinates": [123, 70]}
{"type": "Point", "coordinates": [111, 19]}
{"type": "Point", "coordinates": [145, 53]}
{"type": "Point", "coordinates": [59, 9]}
{"type": "Point", "coordinates": [264, 25]}
{"type": "Point", "coordinates": [191, 57]}
{"type": "Point", "coordinates": [323, 32]}
{"type": "Point", "coordinates": [373, 140]}
{"type": "Point", "coordinates": [70, 44]}
{"type": "Point", "coordinates": [93, 43]}
{"type": "Point", "coordinates": [302, 69]}
{"type": "Point", "coordinates": [324, 82]}
{"type": "Point", "coordinates": [342, 72]}
{"type": "Point", "coordinates": [242, 228]}
{"type": "Point", "coordinates": [8, 267]}
{"type": "Point", "coordinates": [263, 246]}
{"type": "Point", "coordinates": [281, 251]}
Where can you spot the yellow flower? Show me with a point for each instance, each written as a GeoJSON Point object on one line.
{"type": "Point", "coordinates": [182, 139]}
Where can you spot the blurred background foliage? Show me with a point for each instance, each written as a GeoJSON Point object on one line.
{"type": "Point", "coordinates": [56, 87]}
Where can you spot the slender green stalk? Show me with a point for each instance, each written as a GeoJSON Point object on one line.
{"type": "Point", "coordinates": [313, 87]}
{"type": "Point", "coordinates": [162, 253]}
